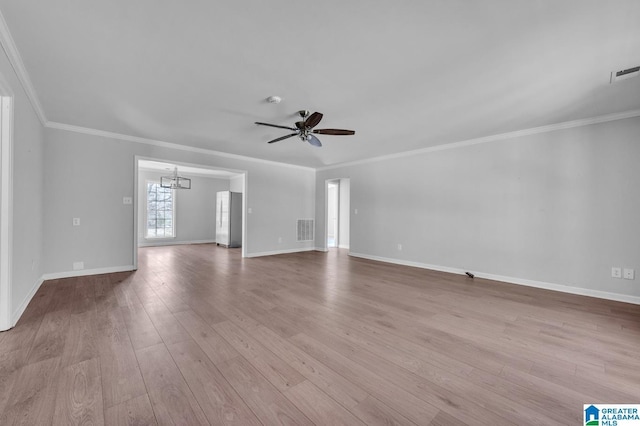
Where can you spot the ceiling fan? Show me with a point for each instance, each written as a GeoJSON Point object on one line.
{"type": "Point", "coordinates": [305, 129]}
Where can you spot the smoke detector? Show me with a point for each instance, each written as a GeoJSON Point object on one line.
{"type": "Point", "coordinates": [274, 99]}
{"type": "Point", "coordinates": [624, 74]}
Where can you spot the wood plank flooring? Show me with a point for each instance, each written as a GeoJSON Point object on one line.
{"type": "Point", "coordinates": [199, 335]}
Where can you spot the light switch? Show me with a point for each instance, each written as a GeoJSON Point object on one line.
{"type": "Point", "coordinates": [249, 210]}
{"type": "Point", "coordinates": [76, 221]}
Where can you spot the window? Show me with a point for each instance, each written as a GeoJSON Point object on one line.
{"type": "Point", "coordinates": [160, 211]}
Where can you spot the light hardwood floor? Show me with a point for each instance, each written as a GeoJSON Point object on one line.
{"type": "Point", "coordinates": [200, 336]}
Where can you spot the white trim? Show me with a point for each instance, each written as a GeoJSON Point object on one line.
{"type": "Point", "coordinates": [134, 254]}
{"type": "Point", "coordinates": [162, 144]}
{"type": "Point", "coordinates": [325, 237]}
{"type": "Point", "coordinates": [15, 59]}
{"type": "Point", "coordinates": [136, 169]}
{"type": "Point", "coordinates": [564, 288]}
{"type": "Point", "coordinates": [245, 186]}
{"type": "Point", "coordinates": [453, 145]}
{"type": "Point", "coordinates": [202, 175]}
{"type": "Point", "coordinates": [321, 249]}
{"type": "Point", "coordinates": [343, 246]}
{"type": "Point", "coordinates": [408, 263]}
{"type": "Point", "coordinates": [6, 207]}
{"type": "Point", "coordinates": [327, 182]}
{"type": "Point", "coordinates": [511, 280]}
{"type": "Point", "coordinates": [492, 138]}
{"type": "Point", "coordinates": [276, 252]}
{"type": "Point", "coordinates": [174, 243]}
{"type": "Point", "coordinates": [85, 272]}
{"type": "Point", "coordinates": [25, 302]}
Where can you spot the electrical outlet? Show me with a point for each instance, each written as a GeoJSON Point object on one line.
{"type": "Point", "coordinates": [279, 240]}
{"type": "Point", "coordinates": [399, 247]}
{"type": "Point", "coordinates": [127, 200]}
{"type": "Point", "coordinates": [629, 274]}
{"type": "Point", "coordinates": [76, 221]}
{"type": "Point", "coordinates": [77, 266]}
{"type": "Point", "coordinates": [616, 272]}
{"type": "Point", "coordinates": [355, 211]}
{"type": "Point", "coordinates": [249, 210]}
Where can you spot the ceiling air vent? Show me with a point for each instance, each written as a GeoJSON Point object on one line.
{"type": "Point", "coordinates": [305, 230]}
{"type": "Point", "coordinates": [624, 74]}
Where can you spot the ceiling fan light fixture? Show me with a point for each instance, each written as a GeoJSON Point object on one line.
{"type": "Point", "coordinates": [274, 99]}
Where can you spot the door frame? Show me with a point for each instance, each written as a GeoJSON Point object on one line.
{"type": "Point", "coordinates": [137, 159]}
{"type": "Point", "coordinates": [341, 205]}
{"type": "Point", "coordinates": [336, 182]}
{"type": "Point", "coordinates": [6, 205]}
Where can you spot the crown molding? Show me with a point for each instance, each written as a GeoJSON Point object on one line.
{"type": "Point", "coordinates": [492, 138]}
{"type": "Point", "coordinates": [454, 145]}
{"type": "Point", "coordinates": [169, 145]}
{"type": "Point", "coordinates": [9, 47]}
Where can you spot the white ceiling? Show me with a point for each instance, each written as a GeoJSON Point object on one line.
{"type": "Point", "coordinates": [405, 75]}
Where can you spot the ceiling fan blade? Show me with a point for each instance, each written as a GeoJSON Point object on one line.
{"type": "Point", "coordinates": [314, 141]}
{"type": "Point", "coordinates": [283, 138]}
{"type": "Point", "coordinates": [334, 132]}
{"type": "Point", "coordinates": [275, 125]}
{"type": "Point", "coordinates": [313, 120]}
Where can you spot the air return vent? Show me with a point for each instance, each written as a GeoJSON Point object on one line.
{"type": "Point", "coordinates": [305, 230]}
{"type": "Point", "coordinates": [624, 74]}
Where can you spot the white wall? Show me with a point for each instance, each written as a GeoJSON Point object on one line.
{"type": "Point", "coordinates": [86, 176]}
{"type": "Point", "coordinates": [195, 209]}
{"type": "Point", "coordinates": [558, 208]}
{"type": "Point", "coordinates": [28, 142]}
{"type": "Point", "coordinates": [236, 184]}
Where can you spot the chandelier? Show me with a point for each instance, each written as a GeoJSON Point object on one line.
{"type": "Point", "coordinates": [175, 181]}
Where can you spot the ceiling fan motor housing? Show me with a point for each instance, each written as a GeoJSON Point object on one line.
{"type": "Point", "coordinates": [304, 129]}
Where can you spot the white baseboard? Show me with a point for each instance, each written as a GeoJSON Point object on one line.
{"type": "Point", "coordinates": [564, 288]}
{"type": "Point", "coordinates": [18, 312]}
{"type": "Point", "coordinates": [276, 252]}
{"type": "Point", "coordinates": [343, 246]}
{"type": "Point", "coordinates": [84, 272]}
{"type": "Point", "coordinates": [511, 280]}
{"type": "Point", "coordinates": [174, 243]}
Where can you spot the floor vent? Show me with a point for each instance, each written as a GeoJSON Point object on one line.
{"type": "Point", "coordinates": [624, 74]}
{"type": "Point", "coordinates": [305, 230]}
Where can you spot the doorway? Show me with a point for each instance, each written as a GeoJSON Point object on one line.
{"type": "Point", "coordinates": [333, 210]}
{"type": "Point", "coordinates": [338, 206]}
{"type": "Point", "coordinates": [189, 217]}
